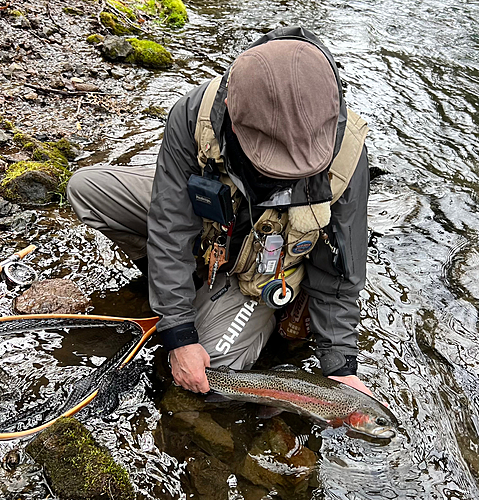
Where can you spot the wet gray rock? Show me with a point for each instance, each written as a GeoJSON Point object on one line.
{"type": "Point", "coordinates": [53, 296]}
{"type": "Point", "coordinates": [4, 137]}
{"type": "Point", "coordinates": [5, 56]}
{"type": "Point", "coordinates": [7, 208]}
{"type": "Point", "coordinates": [208, 476]}
{"type": "Point", "coordinates": [48, 31]}
{"type": "Point", "coordinates": [34, 22]}
{"type": "Point", "coordinates": [116, 48]}
{"type": "Point", "coordinates": [12, 69]}
{"type": "Point", "coordinates": [26, 478]}
{"type": "Point", "coordinates": [18, 222]}
{"type": "Point", "coordinates": [117, 73]}
{"type": "Point", "coordinates": [25, 23]}
{"type": "Point", "coordinates": [277, 460]}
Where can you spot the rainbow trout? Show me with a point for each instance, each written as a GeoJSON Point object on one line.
{"type": "Point", "coordinates": [294, 390]}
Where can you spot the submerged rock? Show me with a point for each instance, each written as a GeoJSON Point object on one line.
{"type": "Point", "coordinates": [59, 296]}
{"type": "Point", "coordinates": [177, 400]}
{"type": "Point", "coordinates": [18, 222]}
{"type": "Point", "coordinates": [76, 466]}
{"type": "Point", "coordinates": [277, 460]}
{"type": "Point", "coordinates": [22, 481]}
{"type": "Point", "coordinates": [209, 476]}
{"type": "Point", "coordinates": [205, 433]}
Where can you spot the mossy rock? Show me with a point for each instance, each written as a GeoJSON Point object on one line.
{"type": "Point", "coordinates": [95, 39]}
{"type": "Point", "coordinates": [77, 467]}
{"type": "Point", "coordinates": [149, 54]}
{"type": "Point", "coordinates": [43, 177]}
{"type": "Point", "coordinates": [114, 24]}
{"type": "Point", "coordinates": [121, 7]}
{"type": "Point", "coordinates": [34, 182]}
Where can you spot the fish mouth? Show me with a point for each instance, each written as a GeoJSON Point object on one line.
{"type": "Point", "coordinates": [382, 433]}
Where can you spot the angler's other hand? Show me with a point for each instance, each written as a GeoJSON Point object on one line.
{"type": "Point", "coordinates": [188, 365]}
{"type": "Point", "coordinates": [355, 382]}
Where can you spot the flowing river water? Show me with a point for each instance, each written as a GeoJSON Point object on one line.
{"type": "Point", "coordinates": [411, 70]}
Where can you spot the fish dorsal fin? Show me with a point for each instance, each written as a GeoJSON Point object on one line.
{"type": "Point", "coordinates": [286, 368]}
{"type": "Point", "coordinates": [225, 369]}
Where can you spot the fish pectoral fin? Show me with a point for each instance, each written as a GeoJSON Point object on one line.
{"type": "Point", "coordinates": [215, 397]}
{"type": "Point", "coordinates": [286, 368]}
{"type": "Point", "coordinates": [268, 411]}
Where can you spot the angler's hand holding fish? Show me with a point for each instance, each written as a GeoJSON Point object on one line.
{"type": "Point", "coordinates": [354, 382]}
{"type": "Point", "coordinates": [188, 365]}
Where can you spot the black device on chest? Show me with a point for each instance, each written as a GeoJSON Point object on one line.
{"type": "Point", "coordinates": [211, 199]}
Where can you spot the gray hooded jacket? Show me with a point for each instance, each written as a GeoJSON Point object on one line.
{"type": "Point", "coordinates": [333, 283]}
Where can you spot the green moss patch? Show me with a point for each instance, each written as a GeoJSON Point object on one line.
{"type": "Point", "coordinates": [78, 468]}
{"type": "Point", "coordinates": [6, 124]}
{"type": "Point", "coordinates": [174, 12]}
{"type": "Point", "coordinates": [171, 12]}
{"type": "Point", "coordinates": [95, 39]}
{"type": "Point", "coordinates": [149, 54]}
{"type": "Point", "coordinates": [123, 8]}
{"type": "Point", "coordinates": [155, 111]}
{"type": "Point", "coordinates": [115, 25]}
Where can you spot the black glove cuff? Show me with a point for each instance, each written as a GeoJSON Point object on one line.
{"type": "Point", "coordinates": [179, 336]}
{"type": "Point", "coordinates": [337, 364]}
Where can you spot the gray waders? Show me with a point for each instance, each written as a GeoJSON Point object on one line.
{"type": "Point", "coordinates": [115, 200]}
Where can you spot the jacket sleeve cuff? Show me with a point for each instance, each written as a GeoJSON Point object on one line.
{"type": "Point", "coordinates": [337, 364]}
{"type": "Point", "coordinates": [179, 336]}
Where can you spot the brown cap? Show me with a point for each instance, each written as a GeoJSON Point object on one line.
{"type": "Point", "coordinates": [283, 100]}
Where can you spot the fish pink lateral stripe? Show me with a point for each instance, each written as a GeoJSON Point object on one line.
{"type": "Point", "coordinates": [284, 395]}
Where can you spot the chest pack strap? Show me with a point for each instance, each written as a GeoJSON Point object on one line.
{"type": "Point", "coordinates": [208, 146]}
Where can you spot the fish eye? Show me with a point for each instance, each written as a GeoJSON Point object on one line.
{"type": "Point", "coordinates": [381, 421]}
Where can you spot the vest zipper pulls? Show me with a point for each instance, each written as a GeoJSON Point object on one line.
{"type": "Point", "coordinates": [223, 290]}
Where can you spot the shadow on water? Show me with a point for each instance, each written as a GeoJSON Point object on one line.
{"type": "Point", "coordinates": [411, 71]}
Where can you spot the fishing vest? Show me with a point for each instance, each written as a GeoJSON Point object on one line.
{"type": "Point", "coordinates": [298, 241]}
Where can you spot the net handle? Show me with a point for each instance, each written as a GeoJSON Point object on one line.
{"type": "Point", "coordinates": [148, 327]}
{"type": "Point", "coordinates": [17, 256]}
